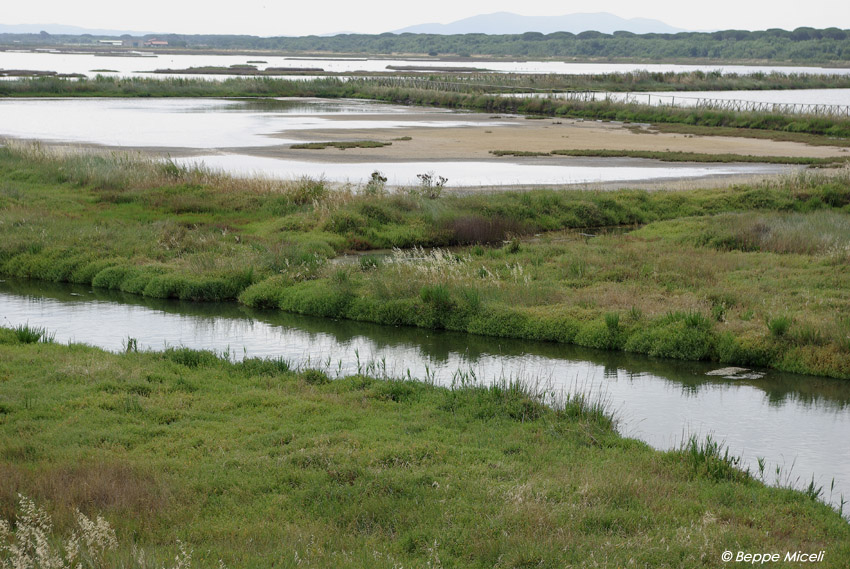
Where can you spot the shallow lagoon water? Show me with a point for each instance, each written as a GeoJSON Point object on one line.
{"type": "Point", "coordinates": [195, 123]}
{"type": "Point", "coordinates": [472, 173]}
{"type": "Point", "coordinates": [150, 60]}
{"type": "Point", "coordinates": [798, 423]}
{"type": "Point", "coordinates": [221, 133]}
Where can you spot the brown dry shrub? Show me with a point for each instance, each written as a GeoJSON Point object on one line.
{"type": "Point", "coordinates": [472, 229]}
{"type": "Point", "coordinates": [92, 487]}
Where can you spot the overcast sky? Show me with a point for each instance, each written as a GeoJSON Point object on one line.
{"type": "Point", "coordinates": [296, 18]}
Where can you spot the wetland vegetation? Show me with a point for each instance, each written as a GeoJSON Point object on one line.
{"type": "Point", "coordinates": [678, 156]}
{"type": "Point", "coordinates": [340, 145]}
{"type": "Point", "coordinates": [437, 94]}
{"type": "Point", "coordinates": [703, 277]}
{"type": "Point", "coordinates": [183, 449]}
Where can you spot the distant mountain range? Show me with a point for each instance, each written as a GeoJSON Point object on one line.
{"type": "Point", "coordinates": [59, 29]}
{"type": "Point", "coordinates": [496, 23]}
{"type": "Point", "coordinates": [508, 23]}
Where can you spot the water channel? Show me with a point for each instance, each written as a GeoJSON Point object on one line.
{"type": "Point", "coordinates": [798, 423]}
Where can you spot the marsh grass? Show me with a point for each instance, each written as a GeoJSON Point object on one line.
{"type": "Point", "coordinates": [343, 145]}
{"type": "Point", "coordinates": [26, 334]}
{"type": "Point", "coordinates": [674, 156]}
{"type": "Point", "coordinates": [196, 235]}
{"type": "Point", "coordinates": [710, 458]}
{"type": "Point", "coordinates": [469, 96]}
{"type": "Point", "coordinates": [117, 175]}
{"type": "Point", "coordinates": [779, 326]}
{"type": "Point", "coordinates": [820, 233]}
{"type": "Point", "coordinates": [259, 458]}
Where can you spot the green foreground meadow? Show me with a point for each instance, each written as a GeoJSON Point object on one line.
{"type": "Point", "coordinates": [200, 461]}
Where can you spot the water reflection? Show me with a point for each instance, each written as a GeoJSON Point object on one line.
{"type": "Point", "coordinates": [470, 173]}
{"type": "Point", "coordinates": [798, 423]}
{"type": "Point", "coordinates": [237, 322]}
{"type": "Point", "coordinates": [191, 123]}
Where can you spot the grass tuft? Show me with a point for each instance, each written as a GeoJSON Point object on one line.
{"type": "Point", "coordinates": [26, 334]}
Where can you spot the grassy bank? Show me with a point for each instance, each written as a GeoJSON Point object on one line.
{"type": "Point", "coordinates": [256, 464]}
{"type": "Point", "coordinates": [708, 278]}
{"type": "Point", "coordinates": [465, 96]}
{"type": "Point", "coordinates": [678, 156]}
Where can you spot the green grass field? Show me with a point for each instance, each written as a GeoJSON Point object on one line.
{"type": "Point", "coordinates": [259, 465]}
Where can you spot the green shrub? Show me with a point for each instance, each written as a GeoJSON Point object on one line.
{"type": "Point", "coordinates": [307, 191]}
{"type": "Point", "coordinates": [709, 459]}
{"type": "Point", "coordinates": [596, 334]}
{"type": "Point", "coordinates": [317, 298]}
{"type": "Point", "coordinates": [265, 294]}
{"type": "Point", "coordinates": [166, 286]}
{"type": "Point", "coordinates": [679, 335]}
{"type": "Point", "coordinates": [113, 277]}
{"type": "Point", "coordinates": [745, 350]}
{"type": "Point", "coordinates": [500, 321]}
{"type": "Point", "coordinates": [265, 366]}
{"type": "Point", "coordinates": [779, 326]}
{"type": "Point", "coordinates": [345, 222]}
{"type": "Point", "coordinates": [501, 400]}
{"type": "Point", "coordinates": [399, 312]}
{"type": "Point", "coordinates": [398, 391]}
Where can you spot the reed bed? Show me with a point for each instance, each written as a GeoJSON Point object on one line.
{"type": "Point", "coordinates": [431, 93]}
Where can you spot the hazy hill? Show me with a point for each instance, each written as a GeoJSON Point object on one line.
{"type": "Point", "coordinates": [508, 23]}
{"type": "Point", "coordinates": [59, 29]}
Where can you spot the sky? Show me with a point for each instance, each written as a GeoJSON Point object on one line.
{"type": "Point", "coordinates": [298, 18]}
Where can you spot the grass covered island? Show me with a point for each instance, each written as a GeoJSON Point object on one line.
{"type": "Point", "coordinates": [751, 275]}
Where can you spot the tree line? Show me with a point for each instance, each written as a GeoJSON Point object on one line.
{"type": "Point", "coordinates": [802, 45]}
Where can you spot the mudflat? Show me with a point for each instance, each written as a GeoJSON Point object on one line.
{"type": "Point", "coordinates": [524, 135]}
